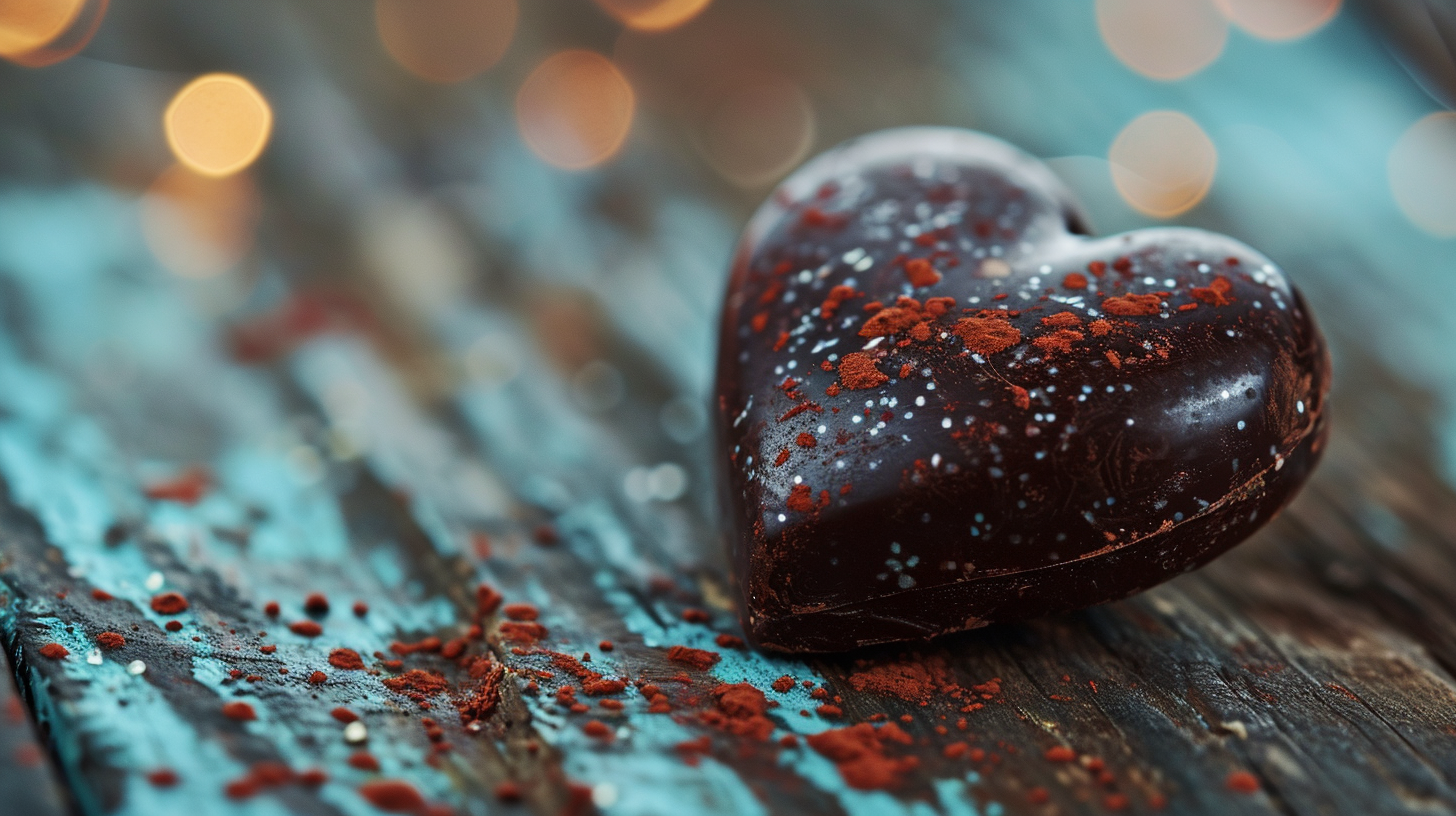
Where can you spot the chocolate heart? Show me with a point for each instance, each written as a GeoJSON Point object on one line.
{"type": "Point", "coordinates": [942, 405]}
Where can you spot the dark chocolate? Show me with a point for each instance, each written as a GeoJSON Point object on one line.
{"type": "Point", "coordinates": [941, 405]}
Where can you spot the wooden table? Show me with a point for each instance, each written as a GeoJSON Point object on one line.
{"type": "Point", "coordinates": [508, 388]}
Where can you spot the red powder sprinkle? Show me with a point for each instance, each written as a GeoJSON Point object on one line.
{"type": "Point", "coordinates": [603, 685]}
{"type": "Point", "coordinates": [801, 408]}
{"type": "Point", "coordinates": [188, 487]}
{"type": "Point", "coordinates": [173, 626]}
{"type": "Point", "coordinates": [343, 715]}
{"type": "Point", "coordinates": [1098, 268]}
{"type": "Point", "coordinates": [163, 778]}
{"type": "Point", "coordinates": [740, 709]}
{"type": "Point", "coordinates": [508, 792]}
{"type": "Point", "coordinates": [522, 631]}
{"type": "Point", "coordinates": [806, 440]}
{"type": "Point", "coordinates": [692, 615]}
{"type": "Point", "coordinates": [606, 646]}
{"type": "Point", "coordinates": [800, 498]}
{"type": "Point", "coordinates": [169, 603]}
{"type": "Point", "coordinates": [101, 595]}
{"type": "Point", "coordinates": [1123, 264]}
{"type": "Point", "coordinates": [1020, 397]}
{"type": "Point", "coordinates": [316, 604]}
{"type": "Point", "coordinates": [521, 612]}
{"type": "Point", "coordinates": [392, 796]}
{"type": "Point", "coordinates": [911, 680]}
{"type": "Point", "coordinates": [859, 752]}
{"type": "Point", "coordinates": [364, 761]}
{"type": "Point", "coordinates": [1112, 357]}
{"type": "Point", "coordinates": [271, 609]}
{"type": "Point", "coordinates": [1074, 280]}
{"type": "Point", "coordinates": [1215, 293]}
{"type": "Point", "coordinates": [347, 659]}
{"type": "Point", "coordinates": [782, 341]}
{"type": "Point", "coordinates": [837, 296]}
{"type": "Point", "coordinates": [360, 608]}
{"type": "Point", "coordinates": [110, 640]}
{"type": "Point", "coordinates": [306, 628]}
{"type": "Point", "coordinates": [427, 644]}
{"type": "Point", "coordinates": [857, 371]}
{"type": "Point", "coordinates": [1059, 341]}
{"type": "Point", "coordinates": [987, 335]}
{"type": "Point", "coordinates": [889, 321]}
{"type": "Point", "coordinates": [700, 659]}
{"type": "Point", "coordinates": [54, 651]}
{"type": "Point", "coordinates": [238, 710]}
{"type": "Point", "coordinates": [729, 641]}
{"type": "Point", "coordinates": [921, 273]}
{"type": "Point", "coordinates": [783, 684]}
{"type": "Point", "coordinates": [1242, 782]}
{"type": "Point", "coordinates": [1062, 320]}
{"type": "Point", "coordinates": [759, 321]}
{"type": "Point", "coordinates": [596, 729]}
{"type": "Point", "coordinates": [782, 458]}
{"type": "Point", "coordinates": [318, 678]}
{"type": "Point", "coordinates": [1059, 753]}
{"type": "Point", "coordinates": [1132, 305]}
{"type": "Point", "coordinates": [417, 684]}
{"type": "Point", "coordinates": [487, 600]}
{"type": "Point", "coordinates": [313, 777]}
{"type": "Point", "coordinates": [829, 710]}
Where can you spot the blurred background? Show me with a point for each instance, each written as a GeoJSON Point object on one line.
{"type": "Point", "coordinates": [526, 210]}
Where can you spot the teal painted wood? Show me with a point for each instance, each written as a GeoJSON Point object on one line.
{"type": "Point", "coordinates": [562, 382]}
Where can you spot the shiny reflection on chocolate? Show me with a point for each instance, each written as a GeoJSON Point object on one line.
{"type": "Point", "coordinates": [940, 405]}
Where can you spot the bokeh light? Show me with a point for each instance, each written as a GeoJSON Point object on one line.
{"type": "Point", "coordinates": [1422, 172]}
{"type": "Point", "coordinates": [446, 40]}
{"type": "Point", "coordinates": [1162, 163]}
{"type": "Point", "coordinates": [653, 15]}
{"type": "Point", "coordinates": [758, 133]}
{"type": "Point", "coordinates": [218, 124]}
{"type": "Point", "coordinates": [575, 109]}
{"type": "Point", "coordinates": [1163, 39]}
{"type": "Point", "coordinates": [199, 226]}
{"type": "Point", "coordinates": [1279, 19]}
{"type": "Point", "coordinates": [37, 33]}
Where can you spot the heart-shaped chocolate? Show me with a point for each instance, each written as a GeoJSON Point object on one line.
{"type": "Point", "coordinates": [942, 405]}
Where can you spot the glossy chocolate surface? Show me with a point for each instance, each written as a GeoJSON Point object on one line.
{"type": "Point", "coordinates": [1087, 418]}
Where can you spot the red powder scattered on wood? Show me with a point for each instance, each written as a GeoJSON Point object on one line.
{"type": "Point", "coordinates": [890, 321]}
{"type": "Point", "coordinates": [487, 600]}
{"type": "Point", "coordinates": [1098, 268]}
{"type": "Point", "coordinates": [1074, 280]}
{"type": "Point", "coordinates": [801, 498]}
{"type": "Point", "coordinates": [318, 678]}
{"type": "Point", "coordinates": [596, 729]}
{"type": "Point", "coordinates": [364, 761]}
{"type": "Point", "coordinates": [361, 609]}
{"type": "Point", "coordinates": [163, 778]}
{"type": "Point", "coordinates": [837, 296]}
{"type": "Point", "coordinates": [522, 631]}
{"type": "Point", "coordinates": [508, 792]}
{"type": "Point", "coordinates": [740, 709]}
{"type": "Point", "coordinates": [238, 710]}
{"type": "Point", "coordinates": [1020, 397]}
{"type": "Point", "coordinates": [1062, 320]}
{"type": "Point", "coordinates": [859, 753]}
{"type": "Point", "coordinates": [987, 335]}
{"type": "Point", "coordinates": [483, 699]}
{"type": "Point", "coordinates": [417, 684]}
{"type": "Point", "coordinates": [343, 715]}
{"type": "Point", "coordinates": [306, 628]}
{"type": "Point", "coordinates": [1059, 753]}
{"type": "Point", "coordinates": [782, 458]}
{"type": "Point", "coordinates": [1099, 328]}
{"type": "Point", "coordinates": [700, 659]}
{"type": "Point", "coordinates": [347, 659]}
{"type": "Point", "coordinates": [271, 609]}
{"type": "Point", "coordinates": [54, 651]}
{"type": "Point", "coordinates": [392, 796]}
{"type": "Point", "coordinates": [169, 603]}
{"type": "Point", "coordinates": [806, 440]}
{"type": "Point", "coordinates": [1112, 357]}
{"type": "Point", "coordinates": [693, 615]}
{"type": "Point", "coordinates": [729, 641]}
{"type": "Point", "coordinates": [1242, 782]}
{"type": "Point", "coordinates": [829, 710]}
{"type": "Point", "coordinates": [783, 340]}
{"type": "Point", "coordinates": [1123, 264]}
{"type": "Point", "coordinates": [912, 680]}
{"type": "Point", "coordinates": [313, 777]}
{"type": "Point", "coordinates": [110, 640]}
{"type": "Point", "coordinates": [316, 604]}
{"type": "Point", "coordinates": [921, 273]}
{"type": "Point", "coordinates": [101, 595]}
{"type": "Point", "coordinates": [783, 684]}
{"type": "Point", "coordinates": [759, 321]}
{"type": "Point", "coordinates": [857, 371]}
{"type": "Point", "coordinates": [1059, 341]}
{"type": "Point", "coordinates": [1132, 305]}
{"type": "Point", "coordinates": [521, 612]}
{"type": "Point", "coordinates": [188, 487]}
{"type": "Point", "coordinates": [1215, 293]}
{"type": "Point", "coordinates": [173, 626]}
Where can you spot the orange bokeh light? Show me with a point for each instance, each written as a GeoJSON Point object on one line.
{"type": "Point", "coordinates": [1163, 39]}
{"type": "Point", "coordinates": [575, 109]}
{"type": "Point", "coordinates": [1163, 163]}
{"type": "Point", "coordinates": [653, 15]}
{"type": "Point", "coordinates": [199, 226]}
{"type": "Point", "coordinates": [37, 33]}
{"type": "Point", "coordinates": [446, 40]}
{"type": "Point", "coordinates": [759, 132]}
{"type": "Point", "coordinates": [1279, 19]}
{"type": "Point", "coordinates": [218, 124]}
